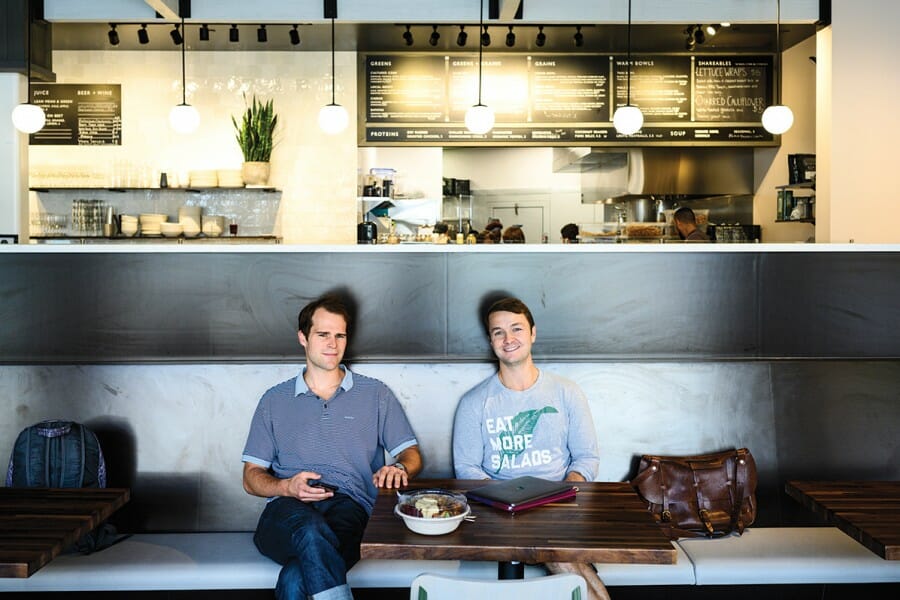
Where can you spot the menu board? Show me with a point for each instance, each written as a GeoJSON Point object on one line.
{"type": "Point", "coordinates": [541, 99]}
{"type": "Point", "coordinates": [78, 114]}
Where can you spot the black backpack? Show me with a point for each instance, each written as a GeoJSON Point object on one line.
{"type": "Point", "coordinates": [62, 454]}
{"type": "Point", "coordinates": [57, 454]}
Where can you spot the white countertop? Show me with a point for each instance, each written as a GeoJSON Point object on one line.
{"type": "Point", "coordinates": [432, 248]}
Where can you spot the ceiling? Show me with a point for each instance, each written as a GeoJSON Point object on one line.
{"type": "Point", "coordinates": [381, 37]}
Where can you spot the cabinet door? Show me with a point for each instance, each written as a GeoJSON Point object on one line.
{"type": "Point", "coordinates": [530, 218]}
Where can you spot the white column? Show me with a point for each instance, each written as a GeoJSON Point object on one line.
{"type": "Point", "coordinates": [13, 160]}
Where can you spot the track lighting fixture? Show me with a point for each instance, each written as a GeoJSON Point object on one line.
{"type": "Point", "coordinates": [113, 35]}
{"type": "Point", "coordinates": [712, 30]}
{"type": "Point", "coordinates": [510, 38]}
{"type": "Point", "coordinates": [28, 117]}
{"type": "Point", "coordinates": [333, 118]}
{"type": "Point", "coordinates": [143, 36]}
{"type": "Point", "coordinates": [462, 37]}
{"type": "Point", "coordinates": [578, 38]}
{"type": "Point", "coordinates": [295, 35]}
{"type": "Point", "coordinates": [485, 36]}
{"type": "Point", "coordinates": [628, 119]}
{"type": "Point", "coordinates": [233, 34]}
{"type": "Point", "coordinates": [778, 118]}
{"type": "Point", "coordinates": [695, 35]}
{"type": "Point", "coordinates": [261, 36]}
{"type": "Point", "coordinates": [183, 117]}
{"type": "Point", "coordinates": [177, 39]}
{"type": "Point", "coordinates": [479, 117]}
{"type": "Point", "coordinates": [408, 37]}
{"type": "Point", "coordinates": [204, 33]}
{"type": "Point", "coordinates": [541, 38]}
{"type": "Point", "coordinates": [435, 36]}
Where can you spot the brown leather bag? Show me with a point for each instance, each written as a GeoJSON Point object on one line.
{"type": "Point", "coordinates": [706, 495]}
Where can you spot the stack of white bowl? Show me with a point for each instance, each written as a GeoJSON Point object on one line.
{"type": "Point", "coordinates": [213, 225]}
{"type": "Point", "coordinates": [230, 178]}
{"type": "Point", "coordinates": [129, 225]}
{"type": "Point", "coordinates": [170, 230]}
{"type": "Point", "coordinates": [150, 224]}
{"type": "Point", "coordinates": [203, 179]}
{"type": "Point", "coordinates": [189, 217]}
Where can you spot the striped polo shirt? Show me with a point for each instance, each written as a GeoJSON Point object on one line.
{"type": "Point", "coordinates": [343, 438]}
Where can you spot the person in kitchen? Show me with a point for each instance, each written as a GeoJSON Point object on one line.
{"type": "Point", "coordinates": [569, 233]}
{"type": "Point", "coordinates": [547, 414]}
{"type": "Point", "coordinates": [331, 425]}
{"type": "Point", "coordinates": [686, 224]}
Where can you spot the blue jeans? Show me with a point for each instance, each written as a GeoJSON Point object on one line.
{"type": "Point", "coordinates": [316, 542]}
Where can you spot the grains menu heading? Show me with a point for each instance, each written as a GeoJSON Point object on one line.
{"type": "Point", "coordinates": [419, 99]}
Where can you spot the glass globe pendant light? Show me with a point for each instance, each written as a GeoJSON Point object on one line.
{"type": "Point", "coordinates": [777, 118]}
{"type": "Point", "coordinates": [333, 118]}
{"type": "Point", "coordinates": [628, 119]}
{"type": "Point", "coordinates": [28, 117]}
{"type": "Point", "coordinates": [479, 117]}
{"type": "Point", "coordinates": [184, 118]}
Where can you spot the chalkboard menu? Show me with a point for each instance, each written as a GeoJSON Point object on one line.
{"type": "Point", "coordinates": [78, 114]}
{"type": "Point", "coordinates": [561, 99]}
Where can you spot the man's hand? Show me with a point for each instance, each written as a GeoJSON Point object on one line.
{"type": "Point", "coordinates": [296, 487]}
{"type": "Point", "coordinates": [390, 476]}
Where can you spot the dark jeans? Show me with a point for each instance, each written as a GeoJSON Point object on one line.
{"type": "Point", "coordinates": [316, 542]}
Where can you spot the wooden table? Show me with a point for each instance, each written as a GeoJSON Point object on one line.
{"type": "Point", "coordinates": [867, 511]}
{"type": "Point", "coordinates": [36, 524]}
{"type": "Point", "coordinates": [606, 522]}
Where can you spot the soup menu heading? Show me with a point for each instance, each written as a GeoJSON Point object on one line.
{"type": "Point", "coordinates": [565, 99]}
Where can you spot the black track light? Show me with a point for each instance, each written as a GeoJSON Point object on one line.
{"type": "Point", "coordinates": [204, 33]}
{"type": "Point", "coordinates": [578, 38]}
{"type": "Point", "coordinates": [699, 36]}
{"type": "Point", "coordinates": [435, 36]}
{"type": "Point", "coordinates": [233, 34]}
{"type": "Point", "coordinates": [541, 38]}
{"type": "Point", "coordinates": [113, 35]}
{"type": "Point", "coordinates": [462, 37]}
{"type": "Point", "coordinates": [295, 36]}
{"type": "Point", "coordinates": [510, 38]}
{"type": "Point", "coordinates": [261, 36]}
{"type": "Point", "coordinates": [143, 36]}
{"type": "Point", "coordinates": [485, 37]}
{"type": "Point", "coordinates": [407, 36]}
{"type": "Point", "coordinates": [177, 39]}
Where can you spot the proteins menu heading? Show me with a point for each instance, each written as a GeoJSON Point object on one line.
{"type": "Point", "coordinates": [565, 98]}
{"type": "Point", "coordinates": [78, 114]}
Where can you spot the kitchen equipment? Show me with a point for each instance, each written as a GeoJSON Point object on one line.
{"type": "Point", "coordinates": [366, 233]}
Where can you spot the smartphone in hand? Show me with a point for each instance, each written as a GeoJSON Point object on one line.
{"type": "Point", "coordinates": [322, 484]}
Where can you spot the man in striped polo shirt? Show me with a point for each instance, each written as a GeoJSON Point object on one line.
{"type": "Point", "coordinates": [327, 425]}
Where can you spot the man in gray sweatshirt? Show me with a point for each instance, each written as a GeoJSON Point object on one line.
{"type": "Point", "coordinates": [525, 421]}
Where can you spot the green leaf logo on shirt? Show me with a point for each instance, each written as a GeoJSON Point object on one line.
{"type": "Point", "coordinates": [522, 424]}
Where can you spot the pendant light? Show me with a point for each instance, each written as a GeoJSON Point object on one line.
{"type": "Point", "coordinates": [184, 118]}
{"type": "Point", "coordinates": [777, 118]}
{"type": "Point", "coordinates": [28, 117]}
{"type": "Point", "coordinates": [480, 118]}
{"type": "Point", "coordinates": [628, 119]}
{"type": "Point", "coordinates": [333, 117]}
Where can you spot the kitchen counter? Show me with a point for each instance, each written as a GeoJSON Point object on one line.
{"type": "Point", "coordinates": [274, 245]}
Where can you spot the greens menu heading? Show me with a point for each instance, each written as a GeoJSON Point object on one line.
{"type": "Point", "coordinates": [411, 99]}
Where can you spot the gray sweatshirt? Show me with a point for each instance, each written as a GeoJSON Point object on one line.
{"type": "Point", "coordinates": [545, 431]}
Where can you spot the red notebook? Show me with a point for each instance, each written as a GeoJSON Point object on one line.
{"type": "Point", "coordinates": [522, 493]}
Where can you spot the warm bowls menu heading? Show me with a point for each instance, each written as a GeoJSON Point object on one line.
{"type": "Point", "coordinates": [565, 98]}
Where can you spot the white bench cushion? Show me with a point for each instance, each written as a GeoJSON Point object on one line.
{"type": "Point", "coordinates": [680, 573]}
{"type": "Point", "coordinates": [787, 555]}
{"type": "Point", "coordinates": [214, 561]}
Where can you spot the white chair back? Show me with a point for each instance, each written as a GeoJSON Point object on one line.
{"type": "Point", "coordinates": [567, 586]}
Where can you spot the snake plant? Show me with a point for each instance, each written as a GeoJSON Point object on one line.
{"type": "Point", "coordinates": [255, 133]}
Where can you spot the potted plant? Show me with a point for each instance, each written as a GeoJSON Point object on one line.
{"type": "Point", "coordinates": [255, 134]}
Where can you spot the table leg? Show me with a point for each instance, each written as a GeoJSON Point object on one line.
{"type": "Point", "coordinates": [510, 569]}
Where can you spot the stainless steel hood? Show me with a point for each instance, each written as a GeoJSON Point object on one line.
{"type": "Point", "coordinates": [621, 173]}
